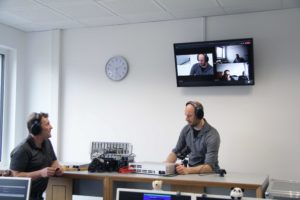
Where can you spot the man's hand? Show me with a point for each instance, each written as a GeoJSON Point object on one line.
{"type": "Point", "coordinates": [181, 169]}
{"type": "Point", "coordinates": [59, 171]}
{"type": "Point", "coordinates": [47, 171]}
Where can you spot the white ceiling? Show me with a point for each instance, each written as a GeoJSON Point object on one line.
{"type": "Point", "coordinates": [41, 15]}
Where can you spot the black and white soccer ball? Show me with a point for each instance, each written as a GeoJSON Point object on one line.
{"type": "Point", "coordinates": [236, 193]}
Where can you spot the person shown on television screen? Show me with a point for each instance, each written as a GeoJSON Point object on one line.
{"type": "Point", "coordinates": [226, 76]}
{"type": "Point", "coordinates": [199, 141]}
{"type": "Point", "coordinates": [202, 67]}
{"type": "Point", "coordinates": [238, 58]}
{"type": "Point", "coordinates": [243, 77]}
{"type": "Point", "coordinates": [35, 157]}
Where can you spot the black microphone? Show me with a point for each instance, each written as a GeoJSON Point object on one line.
{"type": "Point", "coordinates": [221, 172]}
{"type": "Point", "coordinates": [183, 153]}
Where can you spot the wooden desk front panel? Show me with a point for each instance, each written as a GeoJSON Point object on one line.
{"type": "Point", "coordinates": [194, 182]}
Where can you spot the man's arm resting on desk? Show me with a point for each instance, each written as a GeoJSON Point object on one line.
{"type": "Point", "coordinates": [45, 172]}
{"type": "Point", "coordinates": [58, 168]}
{"type": "Point", "coordinates": [205, 168]}
{"type": "Point", "coordinates": [171, 158]}
{"type": "Point", "coordinates": [54, 169]}
{"type": "Point", "coordinates": [200, 169]}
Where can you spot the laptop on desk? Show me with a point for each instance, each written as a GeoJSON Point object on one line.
{"type": "Point", "coordinates": [14, 188]}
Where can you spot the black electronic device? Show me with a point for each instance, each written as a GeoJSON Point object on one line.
{"type": "Point", "coordinates": [15, 188]}
{"type": "Point", "coordinates": [183, 153]}
{"type": "Point", "coordinates": [234, 56]}
{"type": "Point", "coordinates": [103, 165]}
{"type": "Point", "coordinates": [221, 172]}
{"type": "Point", "coordinates": [110, 156]}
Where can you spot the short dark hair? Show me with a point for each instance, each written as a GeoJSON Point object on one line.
{"type": "Point", "coordinates": [35, 118]}
{"type": "Point", "coordinates": [226, 70]}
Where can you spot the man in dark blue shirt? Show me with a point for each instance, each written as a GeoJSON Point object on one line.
{"type": "Point", "coordinates": [202, 67]}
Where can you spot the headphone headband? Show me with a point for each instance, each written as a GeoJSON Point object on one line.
{"type": "Point", "coordinates": [206, 58]}
{"type": "Point", "coordinates": [198, 108]}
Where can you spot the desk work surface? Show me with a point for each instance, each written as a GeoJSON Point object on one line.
{"type": "Point", "coordinates": [229, 178]}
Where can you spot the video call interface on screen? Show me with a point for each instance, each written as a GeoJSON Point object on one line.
{"type": "Point", "coordinates": [231, 62]}
{"type": "Point", "coordinates": [129, 195]}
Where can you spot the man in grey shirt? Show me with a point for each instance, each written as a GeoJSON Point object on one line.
{"type": "Point", "coordinates": [202, 67]}
{"type": "Point", "coordinates": [199, 140]}
{"type": "Point", "coordinates": [34, 157]}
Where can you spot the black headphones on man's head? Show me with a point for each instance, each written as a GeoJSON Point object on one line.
{"type": "Point", "coordinates": [36, 127]}
{"type": "Point", "coordinates": [198, 108]}
{"type": "Point", "coordinates": [205, 57]}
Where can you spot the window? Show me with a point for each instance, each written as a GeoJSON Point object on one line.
{"type": "Point", "coordinates": [1, 100]}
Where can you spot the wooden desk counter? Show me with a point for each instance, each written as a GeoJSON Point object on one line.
{"type": "Point", "coordinates": [255, 182]}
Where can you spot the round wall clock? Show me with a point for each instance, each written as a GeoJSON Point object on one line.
{"type": "Point", "coordinates": [116, 68]}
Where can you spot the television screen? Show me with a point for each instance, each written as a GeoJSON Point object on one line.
{"type": "Point", "coordinates": [15, 188]}
{"type": "Point", "coordinates": [138, 194]}
{"type": "Point", "coordinates": [214, 63]}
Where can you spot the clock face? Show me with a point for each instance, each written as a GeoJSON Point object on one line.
{"type": "Point", "coordinates": [116, 68]}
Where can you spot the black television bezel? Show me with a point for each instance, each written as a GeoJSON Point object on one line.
{"type": "Point", "coordinates": [207, 46]}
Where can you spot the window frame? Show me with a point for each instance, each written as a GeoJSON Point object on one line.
{"type": "Point", "coordinates": [2, 78]}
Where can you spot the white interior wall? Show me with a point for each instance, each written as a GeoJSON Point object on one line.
{"type": "Point", "coordinates": [38, 72]}
{"type": "Point", "coordinates": [43, 77]}
{"type": "Point", "coordinates": [261, 134]}
{"type": "Point", "coordinates": [141, 108]}
{"type": "Point", "coordinates": [257, 124]}
{"type": "Point", "coordinates": [32, 75]}
{"type": "Point", "coordinates": [12, 42]}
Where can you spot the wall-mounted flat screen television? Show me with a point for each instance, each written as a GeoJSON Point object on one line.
{"type": "Point", "coordinates": [214, 63]}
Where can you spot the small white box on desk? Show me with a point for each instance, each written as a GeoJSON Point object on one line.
{"type": "Point", "coordinates": [153, 168]}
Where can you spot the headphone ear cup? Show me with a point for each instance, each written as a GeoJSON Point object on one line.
{"type": "Point", "coordinates": [199, 113]}
{"type": "Point", "coordinates": [206, 58]}
{"type": "Point", "coordinates": [36, 128]}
